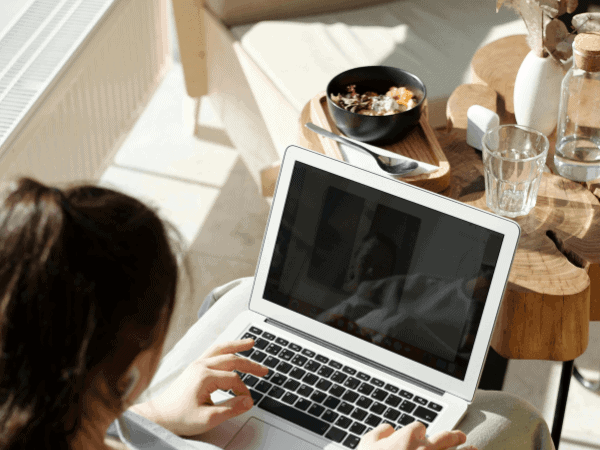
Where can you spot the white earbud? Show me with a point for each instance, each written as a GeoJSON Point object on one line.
{"type": "Point", "coordinates": [134, 377]}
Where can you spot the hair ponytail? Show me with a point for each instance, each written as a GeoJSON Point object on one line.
{"type": "Point", "coordinates": [82, 273]}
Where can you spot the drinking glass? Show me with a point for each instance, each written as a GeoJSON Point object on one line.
{"type": "Point", "coordinates": [514, 157]}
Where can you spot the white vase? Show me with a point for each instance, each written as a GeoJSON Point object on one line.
{"type": "Point", "coordinates": [537, 93]}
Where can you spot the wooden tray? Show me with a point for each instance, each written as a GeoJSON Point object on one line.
{"type": "Point", "coordinates": [420, 144]}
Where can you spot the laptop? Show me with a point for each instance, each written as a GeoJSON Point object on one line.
{"type": "Point", "coordinates": [373, 301]}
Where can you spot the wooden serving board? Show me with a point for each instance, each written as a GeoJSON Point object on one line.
{"type": "Point", "coordinates": [420, 144]}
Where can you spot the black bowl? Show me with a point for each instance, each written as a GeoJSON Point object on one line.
{"type": "Point", "coordinates": [376, 129]}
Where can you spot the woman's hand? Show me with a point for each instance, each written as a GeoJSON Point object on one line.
{"type": "Point", "coordinates": [186, 409]}
{"type": "Point", "coordinates": [411, 437]}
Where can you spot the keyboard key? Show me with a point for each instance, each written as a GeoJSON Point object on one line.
{"type": "Point", "coordinates": [365, 389]}
{"type": "Point", "coordinates": [255, 330]}
{"type": "Point", "coordinates": [305, 391]}
{"type": "Point", "coordinates": [420, 400]}
{"type": "Point", "coordinates": [393, 400]}
{"type": "Point", "coordinates": [325, 371]}
{"type": "Point", "coordinates": [256, 396]}
{"type": "Point", "coordinates": [246, 353]}
{"type": "Point", "coordinates": [258, 356]}
{"type": "Point", "coordinates": [373, 420]}
{"type": "Point", "coordinates": [349, 370]}
{"type": "Point", "coordinates": [343, 422]}
{"type": "Point", "coordinates": [261, 344]}
{"type": "Point", "coordinates": [391, 414]}
{"type": "Point", "coordinates": [289, 398]}
{"type": "Point", "coordinates": [376, 382]}
{"type": "Point", "coordinates": [393, 389]}
{"type": "Point", "coordinates": [352, 383]}
{"type": "Point", "coordinates": [271, 362]}
{"type": "Point", "coordinates": [309, 353]}
{"type": "Point", "coordinates": [293, 415]}
{"type": "Point", "coordinates": [297, 373]}
{"type": "Point", "coordinates": [250, 380]}
{"type": "Point", "coordinates": [425, 414]}
{"type": "Point", "coordinates": [284, 367]}
{"type": "Point", "coordinates": [405, 419]}
{"type": "Point", "coordinates": [336, 435]}
{"type": "Point", "coordinates": [358, 414]}
{"type": "Point", "coordinates": [377, 408]}
{"type": "Point", "coordinates": [322, 359]}
{"type": "Point", "coordinates": [248, 335]}
{"type": "Point", "coordinates": [282, 342]}
{"type": "Point", "coordinates": [345, 408]}
{"type": "Point", "coordinates": [364, 402]}
{"type": "Point", "coordinates": [435, 406]}
{"type": "Point", "coordinates": [291, 385]}
{"type": "Point", "coordinates": [273, 349]}
{"type": "Point", "coordinates": [335, 364]}
{"type": "Point", "coordinates": [310, 379]}
{"type": "Point", "coordinates": [406, 394]}
{"type": "Point", "coordinates": [312, 366]}
{"type": "Point", "coordinates": [299, 360]}
{"type": "Point", "coordinates": [350, 396]}
{"type": "Point", "coordinates": [324, 384]}
{"type": "Point", "coordinates": [295, 347]}
{"type": "Point", "coordinates": [363, 376]}
{"type": "Point", "coordinates": [303, 404]}
{"type": "Point", "coordinates": [278, 379]}
{"type": "Point", "coordinates": [351, 441]}
{"type": "Point", "coordinates": [379, 394]}
{"type": "Point", "coordinates": [407, 406]}
{"type": "Point", "coordinates": [269, 374]}
{"type": "Point", "coordinates": [263, 386]}
{"type": "Point", "coordinates": [316, 410]}
{"type": "Point", "coordinates": [329, 416]}
{"type": "Point", "coordinates": [339, 377]}
{"type": "Point", "coordinates": [318, 396]}
{"type": "Point", "coordinates": [332, 402]}
{"type": "Point", "coordinates": [286, 355]}
{"type": "Point", "coordinates": [358, 428]}
{"type": "Point", "coordinates": [336, 390]}
{"type": "Point", "coordinates": [268, 336]}
{"type": "Point", "coordinates": [276, 392]}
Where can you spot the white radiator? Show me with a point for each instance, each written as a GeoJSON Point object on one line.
{"type": "Point", "coordinates": [74, 77]}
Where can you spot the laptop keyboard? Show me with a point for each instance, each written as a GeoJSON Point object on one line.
{"type": "Point", "coordinates": [325, 396]}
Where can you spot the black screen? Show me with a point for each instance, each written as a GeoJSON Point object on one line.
{"type": "Point", "coordinates": [387, 270]}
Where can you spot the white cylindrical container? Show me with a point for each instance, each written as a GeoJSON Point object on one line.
{"type": "Point", "coordinates": [537, 93]}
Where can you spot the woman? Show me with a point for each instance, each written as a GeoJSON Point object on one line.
{"type": "Point", "coordinates": [88, 283]}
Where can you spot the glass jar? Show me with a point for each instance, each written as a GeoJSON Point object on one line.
{"type": "Point", "coordinates": [577, 154]}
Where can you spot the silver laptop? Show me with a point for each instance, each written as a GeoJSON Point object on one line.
{"type": "Point", "coordinates": [373, 301]}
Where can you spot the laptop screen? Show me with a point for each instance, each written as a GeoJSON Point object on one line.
{"type": "Point", "coordinates": [392, 272]}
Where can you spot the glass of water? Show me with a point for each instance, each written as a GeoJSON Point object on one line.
{"type": "Point", "coordinates": [514, 157]}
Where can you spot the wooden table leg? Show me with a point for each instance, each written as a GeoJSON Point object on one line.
{"type": "Point", "coordinates": [561, 401]}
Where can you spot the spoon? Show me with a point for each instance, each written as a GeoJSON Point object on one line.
{"type": "Point", "coordinates": [393, 166]}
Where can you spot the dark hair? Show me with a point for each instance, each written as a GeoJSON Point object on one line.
{"type": "Point", "coordinates": [86, 277]}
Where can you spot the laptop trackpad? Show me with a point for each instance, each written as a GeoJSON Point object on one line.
{"type": "Point", "coordinates": [256, 434]}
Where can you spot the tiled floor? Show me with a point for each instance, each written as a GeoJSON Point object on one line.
{"type": "Point", "coordinates": [200, 185]}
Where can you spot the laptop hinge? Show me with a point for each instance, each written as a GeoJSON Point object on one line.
{"type": "Point", "coordinates": [356, 357]}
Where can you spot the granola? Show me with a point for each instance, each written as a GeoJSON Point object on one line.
{"type": "Point", "coordinates": [396, 100]}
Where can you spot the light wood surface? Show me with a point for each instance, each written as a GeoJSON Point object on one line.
{"type": "Point", "coordinates": [553, 289]}
{"type": "Point", "coordinates": [465, 96]}
{"type": "Point", "coordinates": [420, 144]}
{"type": "Point", "coordinates": [496, 65]}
